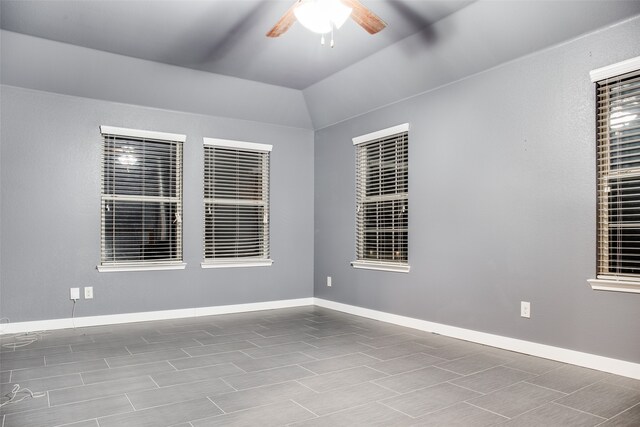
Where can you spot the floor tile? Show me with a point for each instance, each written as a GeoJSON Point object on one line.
{"type": "Point", "coordinates": [165, 415]}
{"type": "Point", "coordinates": [276, 350]}
{"type": "Point", "coordinates": [628, 418]}
{"type": "Point", "coordinates": [141, 359]}
{"type": "Point", "coordinates": [602, 399]}
{"type": "Point", "coordinates": [372, 414]}
{"type": "Point", "coordinates": [280, 339]}
{"type": "Point", "coordinates": [516, 399]}
{"type": "Point", "coordinates": [567, 378]}
{"type": "Point", "coordinates": [178, 393]}
{"type": "Point", "coordinates": [413, 380]}
{"type": "Point", "coordinates": [219, 348]}
{"type": "Point", "coordinates": [492, 379]}
{"type": "Point", "coordinates": [164, 379]}
{"type": "Point", "coordinates": [552, 415]}
{"type": "Point", "coordinates": [22, 401]}
{"type": "Point", "coordinates": [338, 363]}
{"type": "Point", "coordinates": [221, 339]}
{"type": "Point", "coordinates": [126, 372]}
{"type": "Point", "coordinates": [430, 399]}
{"type": "Point", "coordinates": [388, 340]}
{"type": "Point", "coordinates": [330, 351]}
{"type": "Point", "coordinates": [56, 370]}
{"type": "Point", "coordinates": [21, 363]}
{"type": "Point", "coordinates": [338, 379]}
{"type": "Point", "coordinates": [344, 398]}
{"type": "Point", "coordinates": [622, 381]}
{"type": "Point", "coordinates": [276, 414]}
{"type": "Point", "coordinates": [258, 396]}
{"type": "Point", "coordinates": [403, 349]}
{"type": "Point", "coordinates": [455, 350]}
{"type": "Point", "coordinates": [99, 390]}
{"type": "Point", "coordinates": [460, 415]}
{"type": "Point", "coordinates": [44, 384]}
{"type": "Point", "coordinates": [81, 356]}
{"type": "Point", "coordinates": [149, 347]}
{"type": "Point", "coordinates": [405, 363]}
{"type": "Point", "coordinates": [209, 359]}
{"type": "Point", "coordinates": [532, 364]}
{"type": "Point", "coordinates": [66, 414]}
{"type": "Point", "coordinates": [473, 363]}
{"type": "Point", "coordinates": [269, 376]}
{"type": "Point", "coordinates": [252, 365]}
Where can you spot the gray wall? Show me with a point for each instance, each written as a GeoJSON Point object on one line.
{"type": "Point", "coordinates": [50, 211]}
{"type": "Point", "coordinates": [502, 204]}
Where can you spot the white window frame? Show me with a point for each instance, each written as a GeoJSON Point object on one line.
{"type": "Point", "coordinates": [360, 261]}
{"type": "Point", "coordinates": [611, 282]}
{"type": "Point", "coordinates": [115, 266]}
{"type": "Point", "coordinates": [265, 260]}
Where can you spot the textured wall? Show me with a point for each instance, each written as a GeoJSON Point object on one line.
{"type": "Point", "coordinates": [502, 204]}
{"type": "Point", "coordinates": [50, 211]}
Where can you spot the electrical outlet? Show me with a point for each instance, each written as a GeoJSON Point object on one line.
{"type": "Point", "coordinates": [88, 292]}
{"type": "Point", "coordinates": [525, 309]}
{"type": "Point", "coordinates": [329, 281]}
{"type": "Point", "coordinates": [74, 293]}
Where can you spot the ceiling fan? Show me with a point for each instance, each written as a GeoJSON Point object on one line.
{"type": "Point", "coordinates": [341, 9]}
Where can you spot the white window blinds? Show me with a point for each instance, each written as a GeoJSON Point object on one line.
{"type": "Point", "coordinates": [382, 199]}
{"type": "Point", "coordinates": [141, 225]}
{"type": "Point", "coordinates": [618, 169]}
{"type": "Point", "coordinates": [236, 203]}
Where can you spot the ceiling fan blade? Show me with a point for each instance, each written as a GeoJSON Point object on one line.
{"type": "Point", "coordinates": [284, 23]}
{"type": "Point", "coordinates": [365, 17]}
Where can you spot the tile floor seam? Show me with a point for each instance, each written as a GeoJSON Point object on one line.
{"type": "Point", "coordinates": [392, 408]}
{"type": "Point", "coordinates": [485, 409]}
{"type": "Point", "coordinates": [458, 385]}
{"type": "Point", "coordinates": [555, 402]}
{"type": "Point", "coordinates": [304, 407]}
{"type": "Point", "coordinates": [622, 412]}
{"type": "Point", "coordinates": [546, 388]}
{"type": "Point", "coordinates": [214, 404]}
{"type": "Point", "coordinates": [229, 384]}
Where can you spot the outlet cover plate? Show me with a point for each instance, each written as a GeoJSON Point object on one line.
{"type": "Point", "coordinates": [88, 292]}
{"type": "Point", "coordinates": [74, 293]}
{"type": "Point", "coordinates": [525, 309]}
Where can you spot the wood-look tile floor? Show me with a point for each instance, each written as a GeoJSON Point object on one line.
{"type": "Point", "coordinates": [305, 366]}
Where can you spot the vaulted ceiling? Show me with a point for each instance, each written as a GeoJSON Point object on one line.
{"type": "Point", "coordinates": [220, 36]}
{"type": "Point", "coordinates": [292, 80]}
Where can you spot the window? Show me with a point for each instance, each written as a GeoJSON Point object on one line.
{"type": "Point", "coordinates": [236, 204]}
{"type": "Point", "coordinates": [382, 199]}
{"type": "Point", "coordinates": [618, 176]}
{"type": "Point", "coordinates": [141, 200]}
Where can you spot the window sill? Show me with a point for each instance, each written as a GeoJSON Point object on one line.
{"type": "Point", "coordinates": [615, 285]}
{"type": "Point", "coordinates": [382, 266]}
{"type": "Point", "coordinates": [140, 267]}
{"type": "Point", "coordinates": [238, 263]}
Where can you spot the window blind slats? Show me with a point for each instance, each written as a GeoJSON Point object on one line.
{"type": "Point", "coordinates": [618, 184]}
{"type": "Point", "coordinates": [382, 196]}
{"type": "Point", "coordinates": [236, 203]}
{"type": "Point", "coordinates": [141, 200]}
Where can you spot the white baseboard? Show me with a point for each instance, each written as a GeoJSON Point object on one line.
{"type": "Point", "coordinates": [114, 319]}
{"type": "Point", "coordinates": [601, 363]}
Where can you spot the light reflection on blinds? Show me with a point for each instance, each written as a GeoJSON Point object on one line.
{"type": "Point", "coordinates": [618, 185]}
{"type": "Point", "coordinates": [141, 220]}
{"type": "Point", "coordinates": [382, 199]}
{"type": "Point", "coordinates": [236, 201]}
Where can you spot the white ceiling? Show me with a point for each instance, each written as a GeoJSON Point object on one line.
{"type": "Point", "coordinates": [220, 36]}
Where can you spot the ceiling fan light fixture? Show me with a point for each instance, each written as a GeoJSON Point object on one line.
{"type": "Point", "coordinates": [321, 16]}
